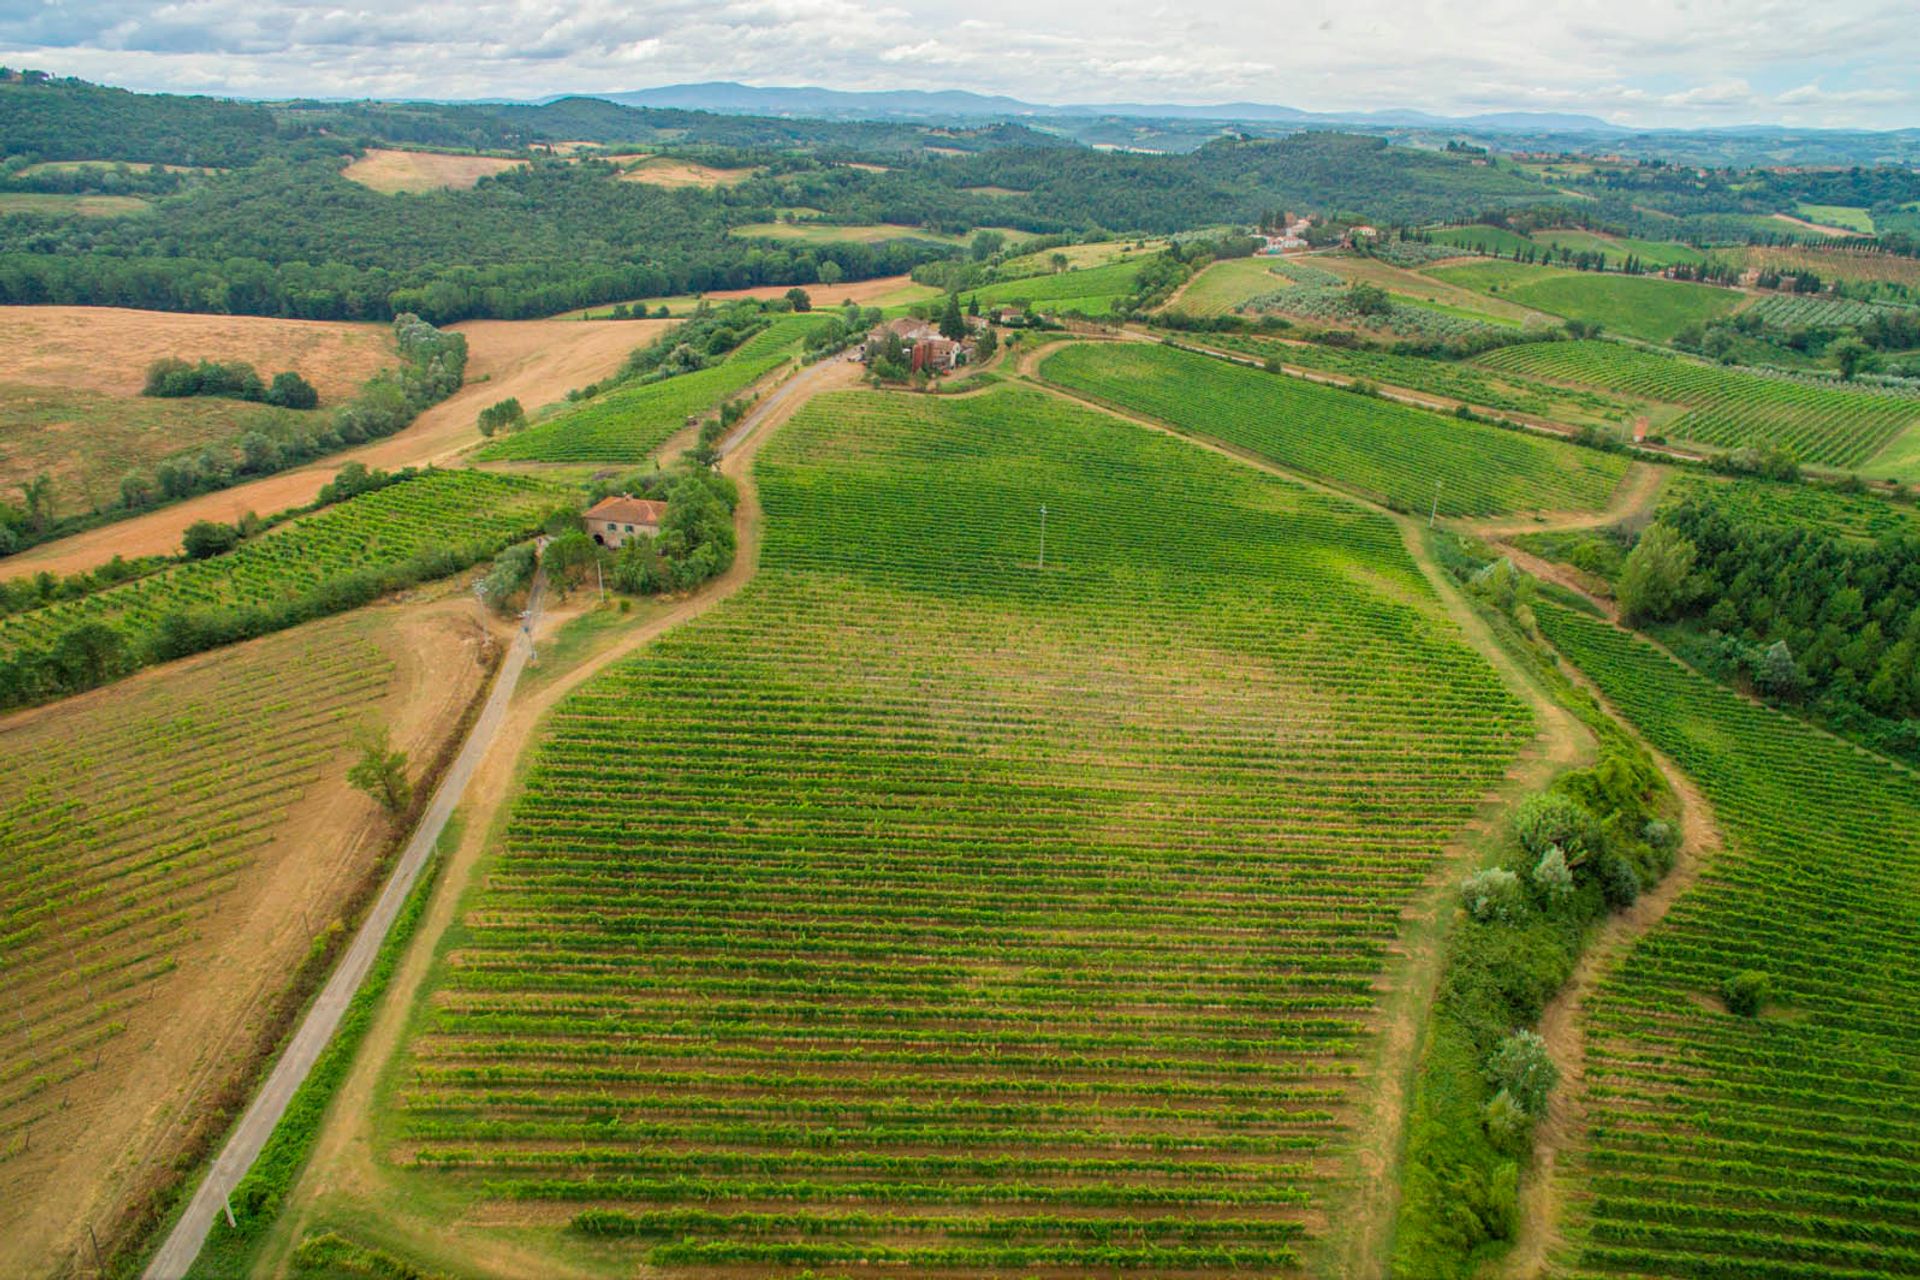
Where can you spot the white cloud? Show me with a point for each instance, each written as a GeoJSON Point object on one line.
{"type": "Point", "coordinates": [1639, 61]}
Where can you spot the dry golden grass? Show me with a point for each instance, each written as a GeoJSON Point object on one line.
{"type": "Point", "coordinates": [109, 348]}
{"type": "Point", "coordinates": [392, 171]}
{"type": "Point", "coordinates": [664, 171]}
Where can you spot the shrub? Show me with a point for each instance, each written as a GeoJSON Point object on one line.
{"type": "Point", "coordinates": [1507, 1122]}
{"type": "Point", "coordinates": [1551, 819]}
{"type": "Point", "coordinates": [1619, 882]}
{"type": "Point", "coordinates": [1746, 992]}
{"type": "Point", "coordinates": [1551, 878]}
{"type": "Point", "coordinates": [207, 538]}
{"type": "Point", "coordinates": [1493, 895]}
{"type": "Point", "coordinates": [1521, 1068]}
{"type": "Point", "coordinates": [291, 391]}
{"type": "Point", "coordinates": [1657, 833]}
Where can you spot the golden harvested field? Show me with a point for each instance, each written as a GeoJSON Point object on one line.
{"type": "Point", "coordinates": [536, 361]}
{"type": "Point", "coordinates": [109, 348]}
{"type": "Point", "coordinates": [392, 171]}
{"type": "Point", "coordinates": [70, 379]}
{"type": "Point", "coordinates": [664, 171]}
{"type": "Point", "coordinates": [157, 917]}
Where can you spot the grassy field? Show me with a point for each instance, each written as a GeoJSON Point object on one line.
{"type": "Point", "coordinates": [1845, 216]}
{"type": "Point", "coordinates": [1644, 307]}
{"type": "Point", "coordinates": [450, 518]}
{"type": "Point", "coordinates": [832, 233]}
{"type": "Point", "coordinates": [919, 910]}
{"type": "Point", "coordinates": [1782, 1145]}
{"type": "Point", "coordinates": [1617, 249]}
{"type": "Point", "coordinates": [153, 917]}
{"type": "Point", "coordinates": [1828, 425]}
{"type": "Point", "coordinates": [415, 171]}
{"type": "Point", "coordinates": [1372, 446]}
{"type": "Point", "coordinates": [1420, 289]}
{"type": "Point", "coordinates": [1100, 253]}
{"type": "Point", "coordinates": [1480, 238]}
{"type": "Point", "coordinates": [1090, 291]}
{"type": "Point", "coordinates": [629, 424]}
{"type": "Point", "coordinates": [61, 205]}
{"type": "Point", "coordinates": [108, 166]}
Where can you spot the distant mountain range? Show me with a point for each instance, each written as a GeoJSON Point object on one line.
{"type": "Point", "coordinates": [729, 98]}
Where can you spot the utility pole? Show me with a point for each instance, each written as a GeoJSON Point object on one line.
{"type": "Point", "coordinates": [99, 1265]}
{"type": "Point", "coordinates": [1435, 513]}
{"type": "Point", "coordinates": [1043, 535]}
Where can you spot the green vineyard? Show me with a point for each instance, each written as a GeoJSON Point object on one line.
{"type": "Point", "coordinates": [1829, 425]}
{"type": "Point", "coordinates": [105, 885]}
{"type": "Point", "coordinates": [1367, 444]}
{"type": "Point", "coordinates": [1863, 516]}
{"type": "Point", "coordinates": [453, 516]}
{"type": "Point", "coordinates": [1786, 1145]}
{"type": "Point", "coordinates": [921, 907]}
{"type": "Point", "coordinates": [1453, 379]}
{"type": "Point", "coordinates": [628, 424]}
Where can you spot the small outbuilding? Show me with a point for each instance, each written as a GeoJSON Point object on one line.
{"type": "Point", "coordinates": [612, 521]}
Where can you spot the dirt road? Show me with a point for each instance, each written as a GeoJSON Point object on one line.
{"type": "Point", "coordinates": [534, 361]}
{"type": "Point", "coordinates": [244, 1144]}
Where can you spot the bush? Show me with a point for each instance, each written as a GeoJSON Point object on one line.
{"type": "Point", "coordinates": [1507, 1122]}
{"type": "Point", "coordinates": [1551, 819]}
{"type": "Point", "coordinates": [1551, 878]}
{"type": "Point", "coordinates": [1493, 896]}
{"type": "Point", "coordinates": [1521, 1068]}
{"type": "Point", "coordinates": [291, 391]}
{"type": "Point", "coordinates": [206, 538]}
{"type": "Point", "coordinates": [1619, 882]}
{"type": "Point", "coordinates": [1746, 992]}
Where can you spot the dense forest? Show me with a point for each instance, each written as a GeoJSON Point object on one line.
{"type": "Point", "coordinates": [1799, 615]}
{"type": "Point", "coordinates": [280, 232]}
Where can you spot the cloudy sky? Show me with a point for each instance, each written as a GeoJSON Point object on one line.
{"type": "Point", "coordinates": [1636, 62]}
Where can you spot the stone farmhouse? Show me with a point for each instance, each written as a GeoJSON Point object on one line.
{"type": "Point", "coordinates": [613, 521]}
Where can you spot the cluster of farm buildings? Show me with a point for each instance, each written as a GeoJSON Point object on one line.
{"type": "Point", "coordinates": [926, 349]}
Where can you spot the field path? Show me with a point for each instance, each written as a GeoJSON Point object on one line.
{"type": "Point", "coordinates": [250, 1135]}
{"type": "Point", "coordinates": [343, 1159]}
{"type": "Point", "coordinates": [535, 361]}
{"type": "Point", "coordinates": [1561, 1023]}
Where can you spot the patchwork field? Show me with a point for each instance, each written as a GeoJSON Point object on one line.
{"type": "Point", "coordinates": [629, 424]}
{"type": "Point", "coordinates": [154, 917]}
{"type": "Point", "coordinates": [1369, 445]}
{"type": "Point", "coordinates": [1828, 425]}
{"type": "Point", "coordinates": [1646, 307]}
{"type": "Point", "coordinates": [1784, 1145]}
{"type": "Point", "coordinates": [415, 171]}
{"type": "Point", "coordinates": [922, 909]}
{"type": "Point", "coordinates": [320, 564]}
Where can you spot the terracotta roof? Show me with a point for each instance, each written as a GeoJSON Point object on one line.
{"type": "Point", "coordinates": [625, 510]}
